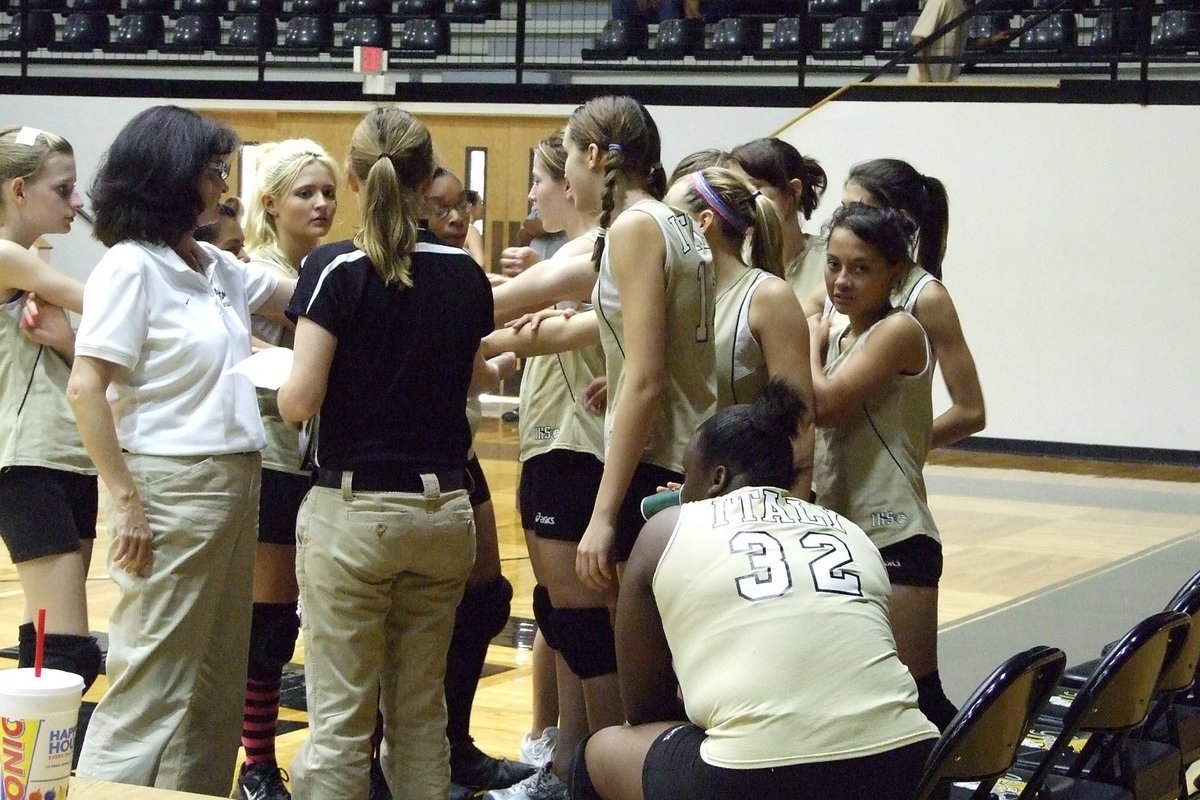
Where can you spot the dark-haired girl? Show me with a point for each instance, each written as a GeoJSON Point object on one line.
{"type": "Point", "coordinates": [771, 616]}
{"type": "Point", "coordinates": [872, 374]}
{"type": "Point", "coordinates": [794, 183]}
{"type": "Point", "coordinates": [47, 482]}
{"type": "Point", "coordinates": [891, 183]}
{"type": "Point", "coordinates": [164, 319]}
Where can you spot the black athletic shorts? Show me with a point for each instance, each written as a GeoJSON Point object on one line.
{"type": "Point", "coordinates": [45, 512]}
{"type": "Point", "coordinates": [916, 561]}
{"type": "Point", "coordinates": [674, 770]}
{"type": "Point", "coordinates": [480, 491]}
{"type": "Point", "coordinates": [279, 504]}
{"type": "Point", "coordinates": [646, 480]}
{"type": "Point", "coordinates": [556, 494]}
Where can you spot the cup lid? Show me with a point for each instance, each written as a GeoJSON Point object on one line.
{"type": "Point", "coordinates": [22, 681]}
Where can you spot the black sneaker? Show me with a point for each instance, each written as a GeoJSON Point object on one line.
{"type": "Point", "coordinates": [473, 769]}
{"type": "Point", "coordinates": [261, 781]}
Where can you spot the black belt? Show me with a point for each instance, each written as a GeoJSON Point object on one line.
{"type": "Point", "coordinates": [391, 479]}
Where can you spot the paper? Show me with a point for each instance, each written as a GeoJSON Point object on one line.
{"type": "Point", "coordinates": [266, 369]}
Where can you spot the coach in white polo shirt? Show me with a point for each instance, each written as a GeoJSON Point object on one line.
{"type": "Point", "coordinates": [164, 318]}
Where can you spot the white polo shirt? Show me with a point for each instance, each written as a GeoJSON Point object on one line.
{"type": "Point", "coordinates": [174, 332]}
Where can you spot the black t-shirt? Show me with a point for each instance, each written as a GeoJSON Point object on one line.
{"type": "Point", "coordinates": [398, 383]}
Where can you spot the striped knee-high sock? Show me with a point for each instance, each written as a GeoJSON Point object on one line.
{"type": "Point", "coordinates": [259, 720]}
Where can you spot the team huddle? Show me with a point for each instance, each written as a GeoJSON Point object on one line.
{"type": "Point", "coordinates": [772, 636]}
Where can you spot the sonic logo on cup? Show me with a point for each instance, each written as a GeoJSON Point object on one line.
{"type": "Point", "coordinates": [18, 753]}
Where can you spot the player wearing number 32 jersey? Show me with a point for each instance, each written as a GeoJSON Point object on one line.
{"type": "Point", "coordinates": [770, 614]}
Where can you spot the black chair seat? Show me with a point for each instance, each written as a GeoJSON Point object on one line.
{"type": "Point", "coordinates": [474, 10]}
{"type": "Point", "coordinates": [270, 7]}
{"type": "Point", "coordinates": [249, 33]}
{"type": "Point", "coordinates": [1177, 30]}
{"type": "Point", "coordinates": [1055, 34]}
{"type": "Point", "coordinates": [407, 9]}
{"type": "Point", "coordinates": [367, 32]}
{"type": "Point", "coordinates": [308, 32]}
{"type": "Point", "coordinates": [148, 6]}
{"type": "Point", "coordinates": [430, 36]}
{"type": "Point", "coordinates": [676, 38]}
{"type": "Point", "coordinates": [137, 33]}
{"type": "Point", "coordinates": [194, 33]}
{"type": "Point", "coordinates": [95, 6]}
{"type": "Point", "coordinates": [619, 39]}
{"type": "Point", "coordinates": [852, 37]}
{"type": "Point", "coordinates": [83, 32]}
{"type": "Point", "coordinates": [901, 37]}
{"type": "Point", "coordinates": [982, 30]}
{"type": "Point", "coordinates": [305, 7]}
{"type": "Point", "coordinates": [734, 38]}
{"type": "Point", "coordinates": [202, 6]}
{"type": "Point", "coordinates": [833, 9]}
{"type": "Point", "coordinates": [40, 32]}
{"type": "Point", "coordinates": [891, 9]}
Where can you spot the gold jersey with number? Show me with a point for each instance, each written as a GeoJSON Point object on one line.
{"type": "Point", "coordinates": [37, 428]}
{"type": "Point", "coordinates": [868, 467]}
{"type": "Point", "coordinates": [776, 614]}
{"type": "Point", "coordinates": [688, 278]}
{"type": "Point", "coordinates": [741, 365]}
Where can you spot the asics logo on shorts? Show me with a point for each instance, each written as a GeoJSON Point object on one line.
{"type": "Point", "coordinates": [543, 519]}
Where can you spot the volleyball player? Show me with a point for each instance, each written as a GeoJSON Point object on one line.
{"type": "Point", "coordinates": [872, 376]}
{"type": "Point", "coordinates": [291, 210]}
{"type": "Point", "coordinates": [891, 183]}
{"type": "Point", "coordinates": [770, 615]}
{"type": "Point", "coordinates": [761, 333]}
{"type": "Point", "coordinates": [226, 233]}
{"type": "Point", "coordinates": [47, 482]}
{"type": "Point", "coordinates": [794, 183]}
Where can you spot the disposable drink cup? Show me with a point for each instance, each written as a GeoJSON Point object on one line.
{"type": "Point", "coordinates": [659, 501]}
{"type": "Point", "coordinates": [37, 722]}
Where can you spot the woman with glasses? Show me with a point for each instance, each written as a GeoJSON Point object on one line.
{"type": "Point", "coordinates": [165, 317]}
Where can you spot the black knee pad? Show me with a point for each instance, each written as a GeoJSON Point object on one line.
{"type": "Point", "coordinates": [579, 782]}
{"type": "Point", "coordinates": [932, 700]}
{"type": "Point", "coordinates": [543, 614]}
{"type": "Point", "coordinates": [71, 653]}
{"type": "Point", "coordinates": [586, 641]}
{"type": "Point", "coordinates": [483, 611]}
{"type": "Point", "coordinates": [26, 644]}
{"type": "Point", "coordinates": [273, 631]}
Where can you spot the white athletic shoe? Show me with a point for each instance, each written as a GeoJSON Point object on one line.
{"type": "Point", "coordinates": [541, 785]}
{"type": "Point", "coordinates": [539, 751]}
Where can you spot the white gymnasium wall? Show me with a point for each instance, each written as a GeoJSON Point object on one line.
{"type": "Point", "coordinates": [1067, 258]}
{"type": "Point", "coordinates": [1072, 257]}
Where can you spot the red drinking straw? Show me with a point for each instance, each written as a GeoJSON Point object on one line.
{"type": "Point", "coordinates": [41, 643]}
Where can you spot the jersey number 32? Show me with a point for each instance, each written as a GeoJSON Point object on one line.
{"type": "Point", "coordinates": [770, 573]}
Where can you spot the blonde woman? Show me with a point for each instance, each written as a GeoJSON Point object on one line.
{"type": "Point", "coordinates": [293, 208]}
{"type": "Point", "coordinates": [387, 339]}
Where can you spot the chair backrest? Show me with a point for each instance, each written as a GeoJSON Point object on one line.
{"type": "Point", "coordinates": [367, 31]}
{"type": "Point", "coordinates": [432, 35]}
{"type": "Point", "coordinates": [1117, 696]}
{"type": "Point", "coordinates": [197, 32]}
{"type": "Point", "coordinates": [85, 31]}
{"type": "Point", "coordinates": [737, 35]}
{"type": "Point", "coordinates": [1181, 673]}
{"type": "Point", "coordinates": [1057, 33]}
{"type": "Point", "coordinates": [138, 32]}
{"type": "Point", "coordinates": [981, 741]}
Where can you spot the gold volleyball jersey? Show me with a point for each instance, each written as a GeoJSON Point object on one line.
{"type": "Point", "coordinates": [905, 295]}
{"type": "Point", "coordinates": [691, 394]}
{"type": "Point", "coordinates": [741, 365]}
{"type": "Point", "coordinates": [37, 428]}
{"type": "Point", "coordinates": [282, 452]}
{"type": "Point", "coordinates": [805, 272]}
{"type": "Point", "coordinates": [552, 416]}
{"type": "Point", "coordinates": [776, 614]}
{"type": "Point", "coordinates": [868, 468]}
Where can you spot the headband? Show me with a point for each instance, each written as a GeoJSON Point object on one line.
{"type": "Point", "coordinates": [716, 203]}
{"type": "Point", "coordinates": [27, 136]}
{"type": "Point", "coordinates": [614, 148]}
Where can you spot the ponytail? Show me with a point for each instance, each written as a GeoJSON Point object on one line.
{"type": "Point", "coordinates": [897, 184]}
{"type": "Point", "coordinates": [935, 227]}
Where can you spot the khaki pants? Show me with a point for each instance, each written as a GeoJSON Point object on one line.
{"type": "Point", "coordinates": [380, 577]}
{"type": "Point", "coordinates": [179, 635]}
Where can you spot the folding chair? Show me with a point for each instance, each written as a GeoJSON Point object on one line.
{"type": "Point", "coordinates": [981, 741]}
{"type": "Point", "coordinates": [1109, 705]}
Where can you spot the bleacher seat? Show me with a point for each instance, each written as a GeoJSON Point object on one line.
{"type": "Point", "coordinates": [891, 9]}
{"type": "Point", "coordinates": [83, 31]}
{"type": "Point", "coordinates": [194, 33]}
{"type": "Point", "coordinates": [38, 34]}
{"type": "Point", "coordinates": [982, 27]}
{"type": "Point", "coordinates": [834, 8]}
{"type": "Point", "coordinates": [1177, 31]}
{"type": "Point", "coordinates": [271, 7]}
{"type": "Point", "coordinates": [733, 38]}
{"type": "Point", "coordinates": [148, 6]}
{"type": "Point", "coordinates": [202, 6]}
{"type": "Point", "coordinates": [1126, 37]}
{"type": "Point", "coordinates": [137, 33]}
{"type": "Point", "coordinates": [676, 38]}
{"type": "Point", "coordinates": [308, 33]}
{"type": "Point", "coordinates": [248, 33]}
{"type": "Point", "coordinates": [43, 5]}
{"type": "Point", "coordinates": [313, 6]}
{"type": "Point", "coordinates": [788, 39]}
{"type": "Point", "coordinates": [406, 9]}
{"type": "Point", "coordinates": [474, 10]}
{"type": "Point", "coordinates": [368, 8]}
{"type": "Point", "coordinates": [1056, 34]}
{"type": "Point", "coordinates": [619, 39]}
{"type": "Point", "coordinates": [901, 38]}
{"type": "Point", "coordinates": [430, 36]}
{"type": "Point", "coordinates": [95, 6]}
{"type": "Point", "coordinates": [367, 32]}
{"type": "Point", "coordinates": [852, 37]}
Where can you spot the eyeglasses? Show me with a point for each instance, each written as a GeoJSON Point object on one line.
{"type": "Point", "coordinates": [439, 211]}
{"type": "Point", "coordinates": [221, 168]}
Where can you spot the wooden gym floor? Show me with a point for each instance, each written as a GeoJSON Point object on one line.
{"type": "Point", "coordinates": [1012, 527]}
